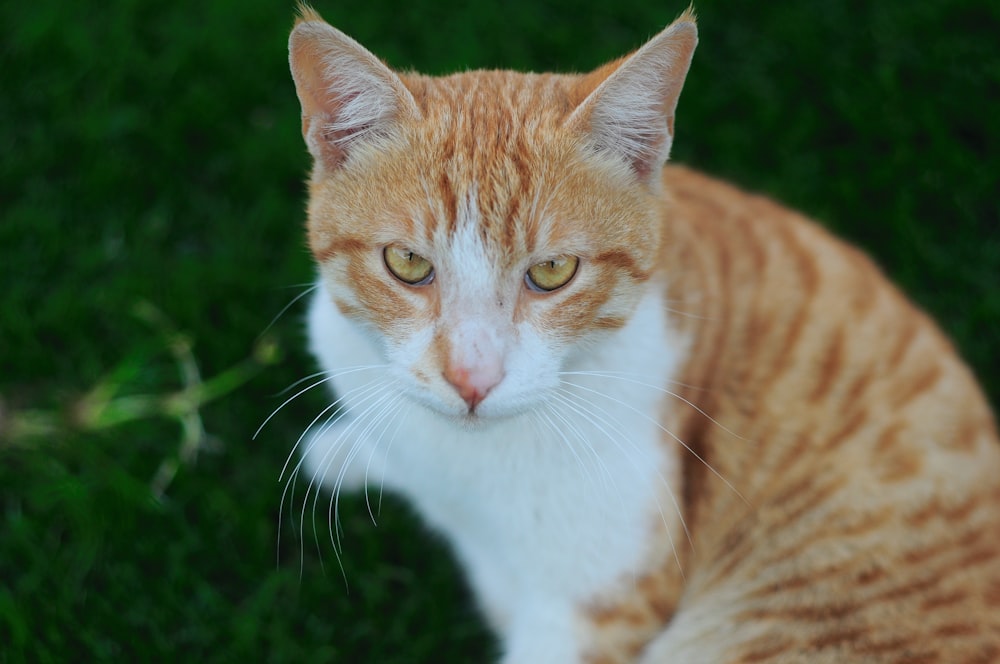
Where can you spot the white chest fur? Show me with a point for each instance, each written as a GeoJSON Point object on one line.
{"type": "Point", "coordinates": [546, 509]}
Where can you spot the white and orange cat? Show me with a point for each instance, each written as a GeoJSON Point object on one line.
{"type": "Point", "coordinates": [657, 418]}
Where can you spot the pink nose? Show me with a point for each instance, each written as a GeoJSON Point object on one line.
{"type": "Point", "coordinates": [473, 384]}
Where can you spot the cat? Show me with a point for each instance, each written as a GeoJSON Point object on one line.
{"type": "Point", "coordinates": [657, 418]}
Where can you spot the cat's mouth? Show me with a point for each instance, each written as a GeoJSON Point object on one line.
{"type": "Point", "coordinates": [479, 416]}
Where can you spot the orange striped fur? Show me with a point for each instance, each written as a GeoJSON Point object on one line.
{"type": "Point", "coordinates": [841, 482]}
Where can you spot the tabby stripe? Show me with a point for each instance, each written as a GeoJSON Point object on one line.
{"type": "Point", "coordinates": [859, 386]}
{"type": "Point", "coordinates": [771, 648]}
{"type": "Point", "coordinates": [808, 277]}
{"type": "Point", "coordinates": [867, 524]}
{"type": "Point", "coordinates": [914, 587]}
{"type": "Point", "coordinates": [338, 247]}
{"type": "Point", "coordinates": [891, 645]}
{"type": "Point", "coordinates": [991, 595]}
{"type": "Point", "coordinates": [623, 261]}
{"type": "Point", "coordinates": [944, 600]}
{"type": "Point", "coordinates": [978, 557]}
{"type": "Point", "coordinates": [835, 610]}
{"type": "Point", "coordinates": [904, 341]}
{"type": "Point", "coordinates": [889, 438]}
{"type": "Point", "coordinates": [917, 386]}
{"type": "Point", "coordinates": [847, 429]}
{"type": "Point", "coordinates": [839, 638]}
{"type": "Point", "coordinates": [829, 367]}
{"type": "Point", "coordinates": [956, 629]}
{"type": "Point", "coordinates": [449, 202]}
{"type": "Point", "coordinates": [793, 453]}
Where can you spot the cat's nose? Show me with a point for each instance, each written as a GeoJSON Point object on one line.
{"type": "Point", "coordinates": [474, 383]}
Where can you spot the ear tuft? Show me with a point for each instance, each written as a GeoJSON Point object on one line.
{"type": "Point", "coordinates": [348, 96]}
{"type": "Point", "coordinates": [631, 113]}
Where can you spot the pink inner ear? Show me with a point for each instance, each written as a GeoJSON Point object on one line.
{"type": "Point", "coordinates": [650, 161]}
{"type": "Point", "coordinates": [346, 92]}
{"type": "Point", "coordinates": [631, 112]}
{"type": "Point", "coordinates": [335, 140]}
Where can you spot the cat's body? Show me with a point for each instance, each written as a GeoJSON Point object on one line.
{"type": "Point", "coordinates": [720, 436]}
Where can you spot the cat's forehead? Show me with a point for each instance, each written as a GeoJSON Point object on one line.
{"type": "Point", "coordinates": [477, 98]}
{"type": "Point", "coordinates": [495, 155]}
{"type": "Point", "coordinates": [495, 128]}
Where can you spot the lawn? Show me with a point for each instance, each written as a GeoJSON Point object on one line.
{"type": "Point", "coordinates": [151, 209]}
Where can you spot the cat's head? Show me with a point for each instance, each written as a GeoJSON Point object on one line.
{"type": "Point", "coordinates": [487, 225]}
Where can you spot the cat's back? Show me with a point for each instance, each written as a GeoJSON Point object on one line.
{"type": "Point", "coordinates": [863, 456]}
{"type": "Point", "coordinates": [806, 319]}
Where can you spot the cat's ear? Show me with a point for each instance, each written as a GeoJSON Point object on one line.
{"type": "Point", "coordinates": [348, 95]}
{"type": "Point", "coordinates": [629, 110]}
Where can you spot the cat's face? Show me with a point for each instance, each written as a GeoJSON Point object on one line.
{"type": "Point", "coordinates": [480, 272]}
{"type": "Point", "coordinates": [478, 226]}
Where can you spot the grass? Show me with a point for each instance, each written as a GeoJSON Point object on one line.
{"type": "Point", "coordinates": [150, 154]}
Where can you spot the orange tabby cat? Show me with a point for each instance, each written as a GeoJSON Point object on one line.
{"type": "Point", "coordinates": [658, 419]}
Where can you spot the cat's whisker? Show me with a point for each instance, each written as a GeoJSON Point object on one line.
{"type": "Point", "coordinates": [375, 394]}
{"type": "Point", "coordinates": [311, 287]}
{"type": "Point", "coordinates": [636, 375]}
{"type": "Point", "coordinates": [669, 433]}
{"type": "Point", "coordinates": [669, 302]}
{"type": "Point", "coordinates": [385, 457]}
{"type": "Point", "coordinates": [292, 398]}
{"type": "Point", "coordinates": [585, 442]}
{"type": "Point", "coordinates": [599, 419]}
{"type": "Point", "coordinates": [330, 375]}
{"type": "Point", "coordinates": [389, 408]}
{"type": "Point", "coordinates": [304, 379]}
{"type": "Point", "coordinates": [322, 468]}
{"type": "Point", "coordinates": [333, 405]}
{"type": "Point", "coordinates": [545, 419]}
{"type": "Point", "coordinates": [386, 400]}
{"type": "Point", "coordinates": [281, 509]}
{"type": "Point", "coordinates": [621, 376]}
{"type": "Point", "coordinates": [368, 388]}
{"type": "Point", "coordinates": [688, 314]}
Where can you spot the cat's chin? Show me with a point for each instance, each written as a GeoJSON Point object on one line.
{"type": "Point", "coordinates": [478, 420]}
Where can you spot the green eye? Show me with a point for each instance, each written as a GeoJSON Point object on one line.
{"type": "Point", "coordinates": [551, 274]}
{"type": "Point", "coordinates": [408, 267]}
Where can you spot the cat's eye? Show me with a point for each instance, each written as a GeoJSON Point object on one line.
{"type": "Point", "coordinates": [408, 267]}
{"type": "Point", "coordinates": [551, 274]}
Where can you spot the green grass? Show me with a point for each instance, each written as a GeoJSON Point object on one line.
{"type": "Point", "coordinates": [150, 152]}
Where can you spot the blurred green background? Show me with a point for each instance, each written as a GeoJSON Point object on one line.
{"type": "Point", "coordinates": [150, 153]}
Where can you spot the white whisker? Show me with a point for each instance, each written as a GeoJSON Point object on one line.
{"type": "Point", "coordinates": [389, 408]}
{"type": "Point", "coordinates": [687, 314]}
{"type": "Point", "coordinates": [338, 401]}
{"type": "Point", "coordinates": [312, 287]}
{"type": "Point", "coordinates": [603, 417]}
{"type": "Point", "coordinates": [323, 467]}
{"type": "Point", "coordinates": [625, 377]}
{"type": "Point", "coordinates": [328, 378]}
{"type": "Point", "coordinates": [380, 397]}
{"type": "Point", "coordinates": [362, 394]}
{"type": "Point", "coordinates": [545, 419]}
{"type": "Point", "coordinates": [385, 458]}
{"type": "Point", "coordinates": [666, 431]}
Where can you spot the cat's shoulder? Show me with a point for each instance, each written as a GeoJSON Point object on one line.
{"type": "Point", "coordinates": [699, 193]}
{"type": "Point", "coordinates": [710, 206]}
